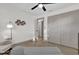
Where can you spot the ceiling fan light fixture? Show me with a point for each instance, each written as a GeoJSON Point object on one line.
{"type": "Point", "coordinates": [40, 5]}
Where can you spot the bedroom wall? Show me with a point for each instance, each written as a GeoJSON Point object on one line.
{"type": "Point", "coordinates": [64, 28]}
{"type": "Point", "coordinates": [20, 33]}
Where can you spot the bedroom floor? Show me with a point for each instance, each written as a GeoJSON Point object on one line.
{"type": "Point", "coordinates": [65, 50]}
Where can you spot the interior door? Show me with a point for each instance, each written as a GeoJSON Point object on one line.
{"type": "Point", "coordinates": [40, 25]}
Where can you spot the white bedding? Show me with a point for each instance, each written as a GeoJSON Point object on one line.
{"type": "Point", "coordinates": [36, 51]}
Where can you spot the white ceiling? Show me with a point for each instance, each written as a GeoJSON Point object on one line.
{"type": "Point", "coordinates": [26, 7]}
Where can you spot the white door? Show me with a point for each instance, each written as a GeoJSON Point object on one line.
{"type": "Point", "coordinates": [39, 30]}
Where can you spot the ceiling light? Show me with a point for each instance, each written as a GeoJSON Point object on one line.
{"type": "Point", "coordinates": [40, 6]}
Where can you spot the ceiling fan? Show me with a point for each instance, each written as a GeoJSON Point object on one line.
{"type": "Point", "coordinates": [41, 5]}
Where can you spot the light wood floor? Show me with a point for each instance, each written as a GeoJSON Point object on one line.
{"type": "Point", "coordinates": [65, 50]}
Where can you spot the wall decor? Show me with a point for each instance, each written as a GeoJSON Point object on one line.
{"type": "Point", "coordinates": [23, 23]}
{"type": "Point", "coordinates": [19, 22]}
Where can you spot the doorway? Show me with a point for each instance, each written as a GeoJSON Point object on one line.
{"type": "Point", "coordinates": [40, 28]}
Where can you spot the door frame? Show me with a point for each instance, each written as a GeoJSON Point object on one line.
{"type": "Point", "coordinates": [37, 29]}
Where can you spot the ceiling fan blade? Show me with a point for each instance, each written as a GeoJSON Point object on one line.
{"type": "Point", "coordinates": [35, 6]}
{"type": "Point", "coordinates": [44, 8]}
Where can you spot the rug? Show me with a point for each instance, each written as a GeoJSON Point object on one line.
{"type": "Point", "coordinates": [42, 51]}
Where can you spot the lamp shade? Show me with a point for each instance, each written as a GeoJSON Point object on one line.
{"type": "Point", "coordinates": [10, 25]}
